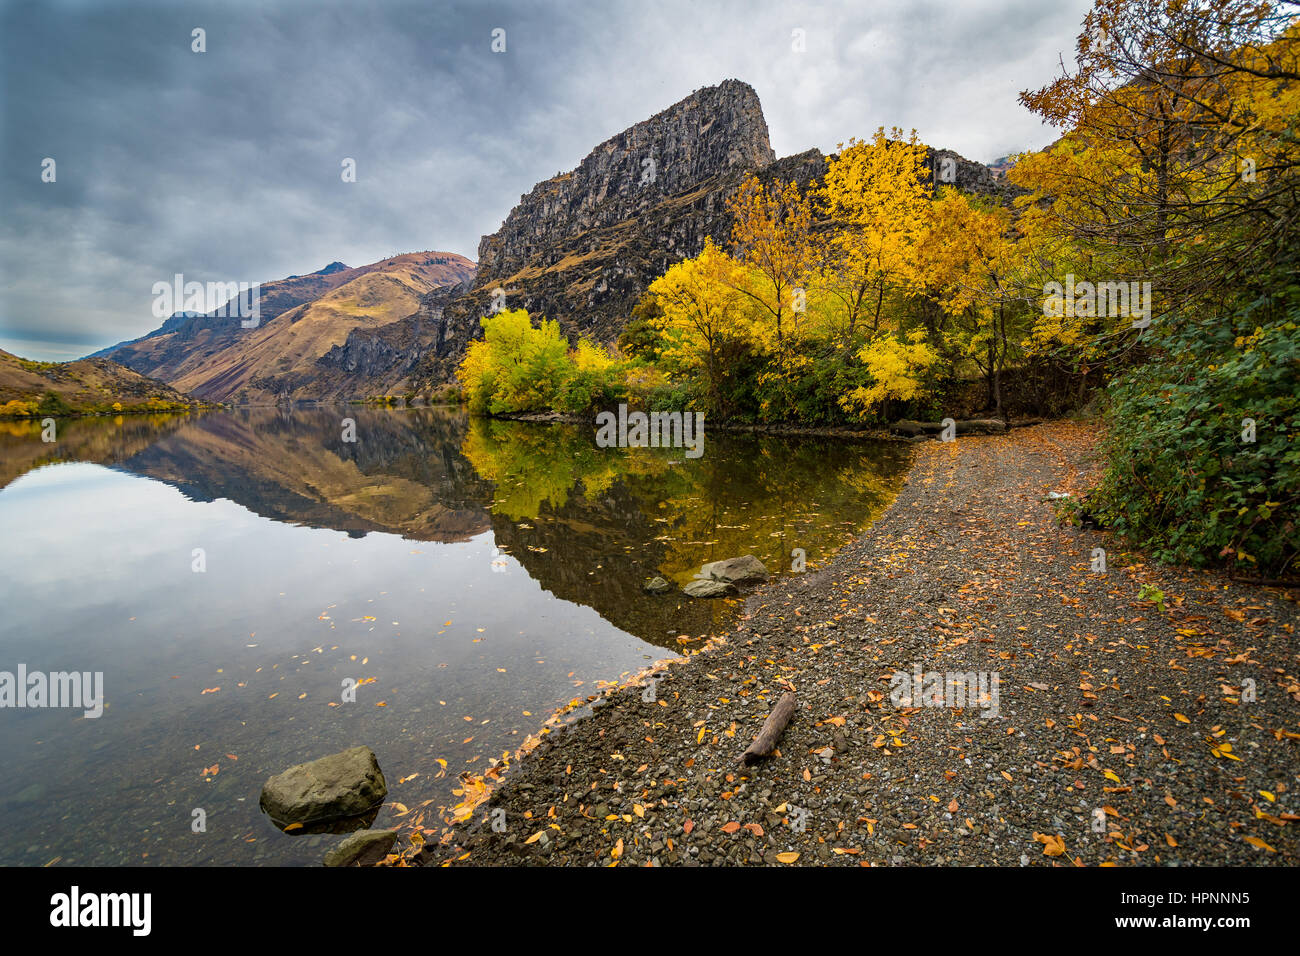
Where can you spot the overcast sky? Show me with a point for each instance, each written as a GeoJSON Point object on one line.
{"type": "Point", "coordinates": [225, 165]}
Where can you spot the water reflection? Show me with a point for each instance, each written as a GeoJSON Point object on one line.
{"type": "Point", "coordinates": [481, 572]}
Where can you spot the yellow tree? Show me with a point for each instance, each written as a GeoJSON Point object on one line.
{"type": "Point", "coordinates": [897, 367]}
{"type": "Point", "coordinates": [1179, 155]}
{"type": "Point", "coordinates": [978, 273]}
{"type": "Point", "coordinates": [702, 317]}
{"type": "Point", "coordinates": [771, 236]}
{"type": "Point", "coordinates": [877, 197]}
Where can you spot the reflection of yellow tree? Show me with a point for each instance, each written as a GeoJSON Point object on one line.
{"type": "Point", "coordinates": [772, 498]}
{"type": "Point", "coordinates": [533, 466]}
{"type": "Point", "coordinates": [759, 496]}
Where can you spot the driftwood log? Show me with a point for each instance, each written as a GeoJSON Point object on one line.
{"type": "Point", "coordinates": [766, 740]}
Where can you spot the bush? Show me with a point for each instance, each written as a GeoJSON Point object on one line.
{"type": "Point", "coordinates": [16, 409]}
{"type": "Point", "coordinates": [519, 367]}
{"type": "Point", "coordinates": [1183, 480]}
{"type": "Point", "coordinates": [51, 403]}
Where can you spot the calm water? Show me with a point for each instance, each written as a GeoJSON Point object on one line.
{"type": "Point", "coordinates": [473, 575]}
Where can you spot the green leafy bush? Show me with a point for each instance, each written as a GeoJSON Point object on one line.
{"type": "Point", "coordinates": [1183, 478]}
{"type": "Point", "coordinates": [519, 367]}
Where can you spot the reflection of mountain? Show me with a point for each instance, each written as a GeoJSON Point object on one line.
{"type": "Point", "coordinates": [589, 524]}
{"type": "Point", "coordinates": [100, 440]}
{"type": "Point", "coordinates": [403, 474]}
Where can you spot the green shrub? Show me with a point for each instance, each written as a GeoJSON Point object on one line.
{"type": "Point", "coordinates": [1182, 478]}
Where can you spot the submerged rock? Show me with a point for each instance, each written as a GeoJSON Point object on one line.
{"type": "Point", "coordinates": [743, 570]}
{"type": "Point", "coordinates": [708, 588]}
{"type": "Point", "coordinates": [362, 848]}
{"type": "Point", "coordinates": [657, 585]}
{"type": "Point", "coordinates": [346, 784]}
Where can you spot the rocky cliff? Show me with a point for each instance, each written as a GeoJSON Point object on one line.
{"type": "Point", "coordinates": [710, 133]}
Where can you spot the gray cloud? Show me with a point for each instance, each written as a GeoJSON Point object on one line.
{"type": "Point", "coordinates": [225, 165]}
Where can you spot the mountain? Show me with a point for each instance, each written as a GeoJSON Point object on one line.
{"type": "Point", "coordinates": [1002, 165]}
{"type": "Point", "coordinates": [302, 317]}
{"type": "Point", "coordinates": [86, 385]}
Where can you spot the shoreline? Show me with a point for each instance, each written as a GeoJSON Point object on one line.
{"type": "Point", "coordinates": [1115, 738]}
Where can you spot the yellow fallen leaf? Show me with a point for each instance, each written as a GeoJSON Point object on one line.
{"type": "Point", "coordinates": [788, 857]}
{"type": "Point", "coordinates": [1053, 845]}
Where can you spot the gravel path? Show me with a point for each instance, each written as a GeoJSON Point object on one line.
{"type": "Point", "coordinates": [1123, 733]}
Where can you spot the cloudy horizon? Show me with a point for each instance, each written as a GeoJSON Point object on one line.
{"type": "Point", "coordinates": [225, 165]}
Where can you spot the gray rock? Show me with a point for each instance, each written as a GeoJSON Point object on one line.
{"type": "Point", "coordinates": [708, 588]}
{"type": "Point", "coordinates": [346, 784]}
{"type": "Point", "coordinates": [362, 848]}
{"type": "Point", "coordinates": [657, 585]}
{"type": "Point", "coordinates": [743, 570]}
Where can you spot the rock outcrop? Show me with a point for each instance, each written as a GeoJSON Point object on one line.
{"type": "Point", "coordinates": [583, 246]}
{"type": "Point", "coordinates": [709, 133]}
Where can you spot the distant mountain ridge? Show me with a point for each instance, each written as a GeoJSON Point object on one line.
{"type": "Point", "coordinates": [302, 317]}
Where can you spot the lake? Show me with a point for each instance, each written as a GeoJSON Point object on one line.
{"type": "Point", "coordinates": [227, 573]}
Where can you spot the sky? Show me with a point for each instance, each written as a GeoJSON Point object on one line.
{"type": "Point", "coordinates": [227, 165]}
